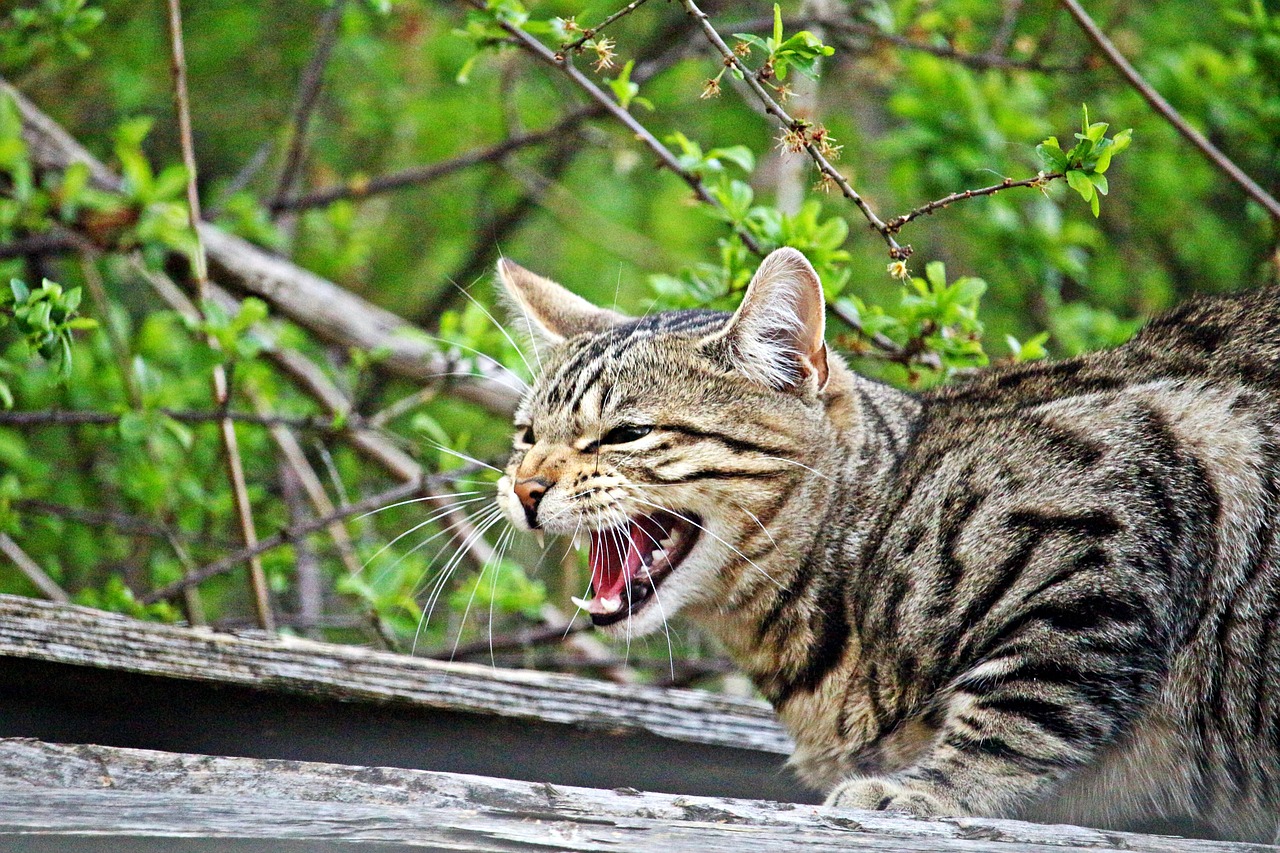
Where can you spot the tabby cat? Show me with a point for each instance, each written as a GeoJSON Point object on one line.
{"type": "Point", "coordinates": [1050, 591]}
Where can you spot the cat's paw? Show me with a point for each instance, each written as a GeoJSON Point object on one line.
{"type": "Point", "coordinates": [886, 795]}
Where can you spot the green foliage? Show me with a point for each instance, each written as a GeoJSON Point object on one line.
{"type": "Point", "coordinates": [45, 319]}
{"type": "Point", "coordinates": [932, 316]}
{"type": "Point", "coordinates": [626, 91]}
{"type": "Point", "coordinates": [37, 29]}
{"type": "Point", "coordinates": [1087, 160]}
{"type": "Point", "coordinates": [801, 51]}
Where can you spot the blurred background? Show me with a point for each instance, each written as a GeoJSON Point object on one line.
{"type": "Point", "coordinates": [397, 148]}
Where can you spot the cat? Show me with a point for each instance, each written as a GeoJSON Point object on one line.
{"type": "Point", "coordinates": [1049, 591]}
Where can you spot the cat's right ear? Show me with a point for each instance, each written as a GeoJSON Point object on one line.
{"type": "Point", "coordinates": [776, 335]}
{"type": "Point", "coordinates": [548, 312]}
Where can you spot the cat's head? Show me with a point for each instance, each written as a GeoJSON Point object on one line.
{"type": "Point", "coordinates": [667, 440]}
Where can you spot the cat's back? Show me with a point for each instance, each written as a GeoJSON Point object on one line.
{"type": "Point", "coordinates": [1222, 341]}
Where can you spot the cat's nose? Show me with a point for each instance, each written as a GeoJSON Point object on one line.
{"type": "Point", "coordinates": [530, 493]}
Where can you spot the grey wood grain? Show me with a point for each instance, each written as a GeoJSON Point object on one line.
{"type": "Point", "coordinates": [53, 790]}
{"type": "Point", "coordinates": [85, 637]}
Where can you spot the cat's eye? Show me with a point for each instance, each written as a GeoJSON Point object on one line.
{"type": "Point", "coordinates": [626, 433]}
{"type": "Point", "coordinates": [527, 436]}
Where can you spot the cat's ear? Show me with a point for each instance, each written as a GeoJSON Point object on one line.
{"type": "Point", "coordinates": [776, 335]}
{"type": "Point", "coordinates": [546, 310]}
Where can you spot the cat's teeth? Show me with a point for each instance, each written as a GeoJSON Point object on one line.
{"type": "Point", "coordinates": [579, 542]}
{"type": "Point", "coordinates": [665, 543]}
{"type": "Point", "coordinates": [542, 539]}
{"type": "Point", "coordinates": [610, 605]}
{"type": "Point", "coordinates": [580, 603]}
{"type": "Point", "coordinates": [658, 555]}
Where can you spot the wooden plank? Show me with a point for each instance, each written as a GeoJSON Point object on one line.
{"type": "Point", "coordinates": [65, 791]}
{"type": "Point", "coordinates": [81, 636]}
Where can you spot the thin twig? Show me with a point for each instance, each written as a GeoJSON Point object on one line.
{"type": "Point", "coordinates": [1041, 180]}
{"type": "Point", "coordinates": [665, 156]}
{"type": "Point", "coordinates": [793, 126]}
{"type": "Point", "coordinates": [46, 243]}
{"type": "Point", "coordinates": [221, 387]}
{"type": "Point", "coordinates": [1166, 110]}
{"type": "Point", "coordinates": [420, 175]}
{"type": "Point", "coordinates": [591, 32]}
{"type": "Point", "coordinates": [231, 561]}
{"type": "Point", "coordinates": [31, 569]}
{"type": "Point", "coordinates": [308, 95]}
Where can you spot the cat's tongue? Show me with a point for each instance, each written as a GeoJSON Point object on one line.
{"type": "Point", "coordinates": [616, 556]}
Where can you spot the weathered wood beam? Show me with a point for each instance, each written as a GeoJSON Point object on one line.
{"type": "Point", "coordinates": [80, 636]}
{"type": "Point", "coordinates": [64, 791]}
{"type": "Point", "coordinates": [330, 312]}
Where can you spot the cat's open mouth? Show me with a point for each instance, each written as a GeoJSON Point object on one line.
{"type": "Point", "coordinates": [630, 561]}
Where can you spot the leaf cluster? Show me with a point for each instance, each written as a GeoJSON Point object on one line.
{"type": "Point", "coordinates": [1084, 165]}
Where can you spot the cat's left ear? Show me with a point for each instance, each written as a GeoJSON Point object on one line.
{"type": "Point", "coordinates": [547, 310]}
{"type": "Point", "coordinates": [776, 335]}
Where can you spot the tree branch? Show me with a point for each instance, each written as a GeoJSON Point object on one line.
{"type": "Point", "coordinates": [221, 383]}
{"type": "Point", "coordinates": [792, 126]}
{"type": "Point", "coordinates": [591, 32]}
{"type": "Point", "coordinates": [1040, 180]}
{"type": "Point", "coordinates": [31, 569]}
{"type": "Point", "coordinates": [331, 313]}
{"type": "Point", "coordinates": [1166, 110]}
{"type": "Point", "coordinates": [309, 86]}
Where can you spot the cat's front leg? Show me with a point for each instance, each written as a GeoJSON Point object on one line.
{"type": "Point", "coordinates": [1008, 731]}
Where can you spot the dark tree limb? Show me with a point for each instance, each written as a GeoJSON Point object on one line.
{"type": "Point", "coordinates": [308, 96]}
{"type": "Point", "coordinates": [1211, 152]}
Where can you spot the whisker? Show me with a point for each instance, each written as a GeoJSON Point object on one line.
{"type": "Point", "coordinates": [475, 588]}
{"type": "Point", "coordinates": [800, 464]}
{"type": "Point", "coordinates": [524, 386]}
{"type": "Point", "coordinates": [414, 501]}
{"type": "Point", "coordinates": [440, 512]}
{"type": "Point", "coordinates": [491, 518]}
{"type": "Point", "coordinates": [504, 539]}
{"type": "Point", "coordinates": [460, 455]}
{"type": "Point", "coordinates": [500, 327]}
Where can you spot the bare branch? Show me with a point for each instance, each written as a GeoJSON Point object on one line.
{"type": "Point", "coordinates": [665, 156]}
{"type": "Point", "coordinates": [1166, 110]}
{"type": "Point", "coordinates": [308, 95]}
{"type": "Point", "coordinates": [591, 32]}
{"type": "Point", "coordinates": [792, 126]}
{"type": "Point", "coordinates": [1040, 180]}
{"type": "Point", "coordinates": [72, 417]}
{"type": "Point", "coordinates": [31, 569]}
{"type": "Point", "coordinates": [47, 243]}
{"type": "Point", "coordinates": [221, 384]}
{"type": "Point", "coordinates": [420, 175]}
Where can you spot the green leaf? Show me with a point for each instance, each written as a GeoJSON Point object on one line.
{"type": "Point", "coordinates": [1080, 182]}
{"type": "Point", "coordinates": [21, 293]}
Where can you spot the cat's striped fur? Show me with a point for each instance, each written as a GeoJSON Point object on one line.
{"type": "Point", "coordinates": [1050, 591]}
